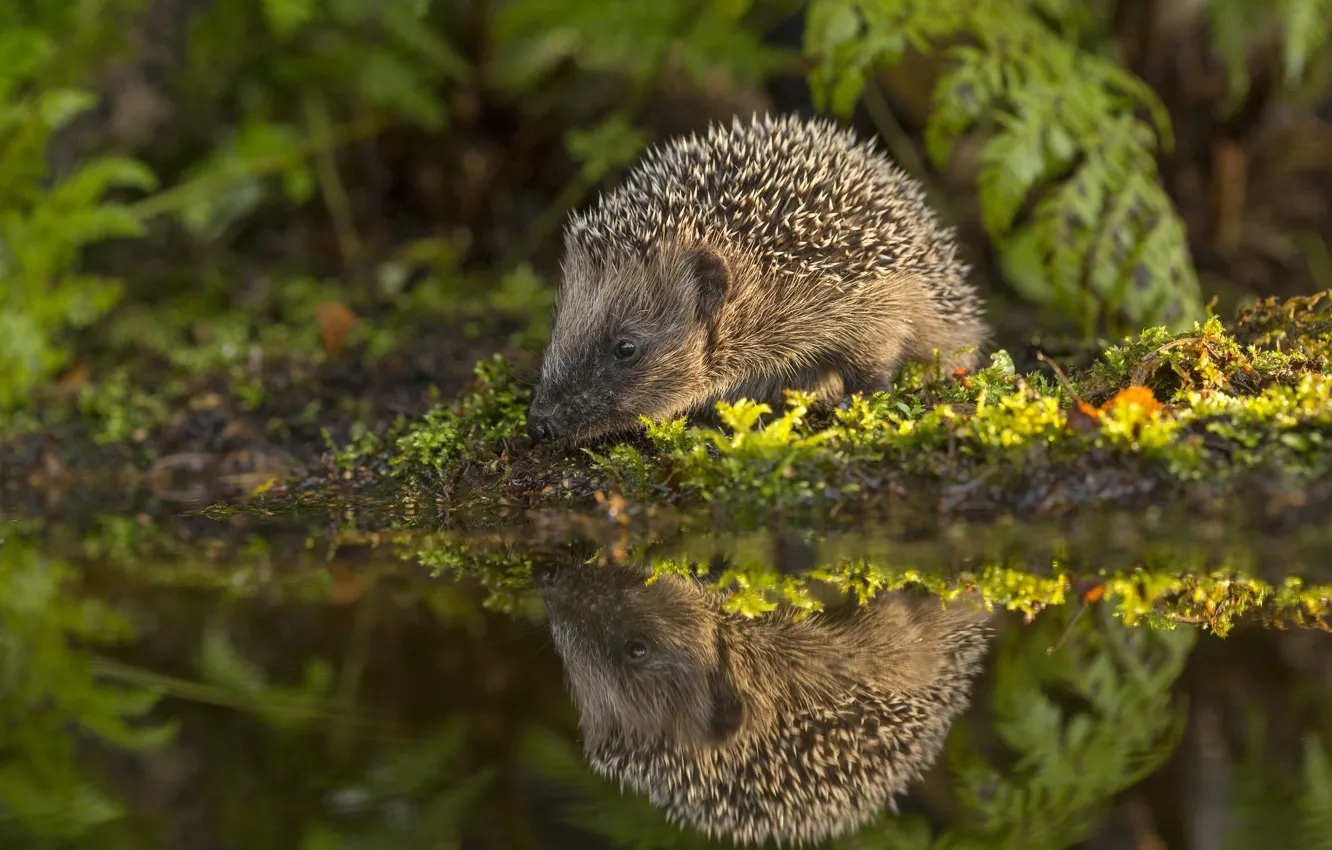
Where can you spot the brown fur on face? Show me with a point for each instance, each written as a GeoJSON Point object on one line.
{"type": "Point", "coordinates": [680, 687]}
{"type": "Point", "coordinates": [708, 328]}
{"type": "Point", "coordinates": [763, 727]}
{"type": "Point", "coordinates": [666, 304]}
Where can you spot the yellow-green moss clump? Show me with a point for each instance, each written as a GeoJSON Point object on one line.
{"type": "Point", "coordinates": [1160, 417]}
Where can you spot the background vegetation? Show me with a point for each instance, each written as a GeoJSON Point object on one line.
{"type": "Point", "coordinates": [260, 197]}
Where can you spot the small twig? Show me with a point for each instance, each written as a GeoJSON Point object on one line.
{"type": "Point", "coordinates": [330, 182]}
{"type": "Point", "coordinates": [899, 142]}
{"type": "Point", "coordinates": [1140, 371]}
{"type": "Point", "coordinates": [182, 194]}
{"type": "Point", "coordinates": [1060, 376]}
{"type": "Point", "coordinates": [1088, 596]}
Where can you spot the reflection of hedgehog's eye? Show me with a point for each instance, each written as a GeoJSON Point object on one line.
{"type": "Point", "coordinates": [636, 650]}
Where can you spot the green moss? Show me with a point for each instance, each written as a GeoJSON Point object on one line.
{"type": "Point", "coordinates": [119, 409]}
{"type": "Point", "coordinates": [494, 410]}
{"type": "Point", "coordinates": [1257, 352]}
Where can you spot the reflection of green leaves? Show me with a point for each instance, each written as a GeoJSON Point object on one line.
{"type": "Point", "coordinates": [46, 686]}
{"type": "Point", "coordinates": [890, 833]}
{"type": "Point", "coordinates": [1071, 761]}
{"type": "Point", "coordinates": [1316, 800]}
{"type": "Point", "coordinates": [281, 707]}
{"type": "Point", "coordinates": [1273, 806]}
{"type": "Point", "coordinates": [428, 774]}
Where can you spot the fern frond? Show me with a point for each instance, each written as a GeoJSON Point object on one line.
{"type": "Point", "coordinates": [1070, 134]}
{"type": "Point", "coordinates": [1303, 29]}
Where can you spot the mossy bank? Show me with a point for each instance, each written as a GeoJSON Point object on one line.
{"type": "Point", "coordinates": [1233, 415]}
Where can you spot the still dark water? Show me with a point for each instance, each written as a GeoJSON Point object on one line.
{"type": "Point", "coordinates": [177, 681]}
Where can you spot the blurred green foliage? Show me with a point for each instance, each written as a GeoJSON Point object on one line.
{"type": "Point", "coordinates": [1304, 33]}
{"type": "Point", "coordinates": [46, 220]}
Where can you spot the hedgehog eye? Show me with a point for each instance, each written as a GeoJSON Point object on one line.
{"type": "Point", "coordinates": [625, 350]}
{"type": "Point", "coordinates": [635, 649]}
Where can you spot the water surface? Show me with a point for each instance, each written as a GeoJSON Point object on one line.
{"type": "Point", "coordinates": [324, 680]}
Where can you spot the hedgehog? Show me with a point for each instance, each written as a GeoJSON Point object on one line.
{"type": "Point", "coordinates": [796, 729]}
{"type": "Point", "coordinates": [780, 254]}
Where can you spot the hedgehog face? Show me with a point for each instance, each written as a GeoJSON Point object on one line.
{"type": "Point", "coordinates": [641, 661]}
{"type": "Point", "coordinates": [630, 340]}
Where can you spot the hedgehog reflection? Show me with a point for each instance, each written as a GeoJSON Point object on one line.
{"type": "Point", "coordinates": [773, 727]}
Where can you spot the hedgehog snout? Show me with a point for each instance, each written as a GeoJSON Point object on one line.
{"type": "Point", "coordinates": [541, 421]}
{"type": "Point", "coordinates": [560, 413]}
{"type": "Point", "coordinates": [540, 429]}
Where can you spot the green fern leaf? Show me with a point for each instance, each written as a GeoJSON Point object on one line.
{"type": "Point", "coordinates": [1306, 31]}
{"type": "Point", "coordinates": [965, 93]}
{"type": "Point", "coordinates": [1068, 134]}
{"type": "Point", "coordinates": [1029, 148]}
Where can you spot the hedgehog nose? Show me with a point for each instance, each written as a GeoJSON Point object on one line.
{"type": "Point", "coordinates": [540, 429]}
{"type": "Point", "coordinates": [544, 574]}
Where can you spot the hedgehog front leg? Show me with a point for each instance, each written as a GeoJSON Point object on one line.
{"type": "Point", "coordinates": [822, 381]}
{"type": "Point", "coordinates": [868, 381]}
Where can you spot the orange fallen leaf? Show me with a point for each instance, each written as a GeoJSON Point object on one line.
{"type": "Point", "coordinates": [1138, 396]}
{"type": "Point", "coordinates": [1093, 594]}
{"type": "Point", "coordinates": [336, 321]}
{"type": "Point", "coordinates": [346, 586]}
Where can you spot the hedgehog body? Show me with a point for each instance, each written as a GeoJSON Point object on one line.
{"type": "Point", "coordinates": [779, 253]}
{"type": "Point", "coordinates": [794, 729]}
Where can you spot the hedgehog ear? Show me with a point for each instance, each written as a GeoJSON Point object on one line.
{"type": "Point", "coordinates": [728, 709]}
{"type": "Point", "coordinates": [713, 280]}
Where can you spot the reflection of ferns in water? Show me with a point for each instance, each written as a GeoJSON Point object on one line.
{"type": "Point", "coordinates": [1270, 807]}
{"type": "Point", "coordinates": [1316, 802]}
{"type": "Point", "coordinates": [1070, 761]}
